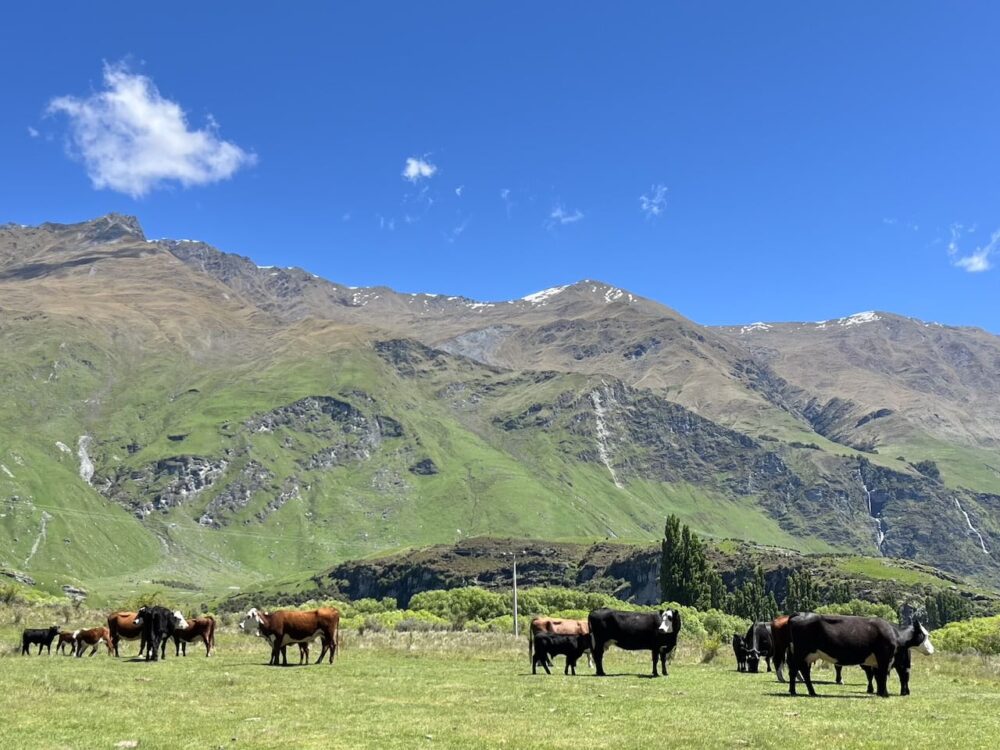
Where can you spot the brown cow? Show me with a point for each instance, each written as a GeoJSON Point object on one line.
{"type": "Point", "coordinates": [91, 637]}
{"type": "Point", "coordinates": [122, 626]}
{"type": "Point", "coordinates": [557, 626]}
{"type": "Point", "coordinates": [66, 639]}
{"type": "Point", "coordinates": [198, 627]}
{"type": "Point", "coordinates": [284, 627]}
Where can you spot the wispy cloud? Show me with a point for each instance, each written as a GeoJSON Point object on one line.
{"type": "Point", "coordinates": [979, 259]}
{"type": "Point", "coordinates": [508, 204]}
{"type": "Point", "coordinates": [417, 169]}
{"type": "Point", "coordinates": [559, 216]}
{"type": "Point", "coordinates": [891, 221]}
{"type": "Point", "coordinates": [457, 231]}
{"type": "Point", "coordinates": [459, 190]}
{"type": "Point", "coordinates": [131, 139]}
{"type": "Point", "coordinates": [387, 224]}
{"type": "Point", "coordinates": [33, 132]}
{"type": "Point", "coordinates": [654, 203]}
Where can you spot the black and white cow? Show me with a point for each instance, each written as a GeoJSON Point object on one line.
{"type": "Point", "coordinates": [634, 631]}
{"type": "Point", "coordinates": [759, 646]}
{"type": "Point", "coordinates": [158, 625]}
{"type": "Point", "coordinates": [909, 637]}
{"type": "Point", "coordinates": [43, 637]}
{"type": "Point", "coordinates": [850, 641]}
{"type": "Point", "coordinates": [740, 651]}
{"type": "Point", "coordinates": [548, 645]}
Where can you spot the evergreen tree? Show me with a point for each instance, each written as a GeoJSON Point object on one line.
{"type": "Point", "coordinates": [802, 596]}
{"type": "Point", "coordinates": [686, 575]}
{"type": "Point", "coordinates": [839, 593]}
{"type": "Point", "coordinates": [946, 606]}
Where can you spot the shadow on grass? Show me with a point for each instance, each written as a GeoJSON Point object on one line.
{"type": "Point", "coordinates": [805, 696]}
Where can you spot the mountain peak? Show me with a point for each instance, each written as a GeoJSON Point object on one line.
{"type": "Point", "coordinates": [108, 228]}
{"type": "Point", "coordinates": [588, 287]}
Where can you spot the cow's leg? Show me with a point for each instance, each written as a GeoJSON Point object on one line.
{"type": "Point", "coordinates": [277, 651]}
{"type": "Point", "coordinates": [904, 679]}
{"type": "Point", "coordinates": [598, 652]}
{"type": "Point", "coordinates": [779, 663]}
{"type": "Point", "coordinates": [806, 672]}
{"type": "Point", "coordinates": [793, 669]}
{"type": "Point", "coordinates": [767, 659]}
{"type": "Point", "coordinates": [590, 661]}
{"type": "Point", "coordinates": [656, 656]}
{"type": "Point", "coordinates": [882, 680]}
{"type": "Point", "coordinates": [870, 674]}
{"type": "Point", "coordinates": [839, 670]}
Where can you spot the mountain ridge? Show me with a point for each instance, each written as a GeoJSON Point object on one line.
{"type": "Point", "coordinates": [221, 402]}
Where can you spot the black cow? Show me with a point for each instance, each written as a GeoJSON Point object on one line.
{"type": "Point", "coordinates": [759, 646]}
{"type": "Point", "coordinates": [850, 640]}
{"type": "Point", "coordinates": [158, 625]}
{"type": "Point", "coordinates": [634, 631]}
{"type": "Point", "coordinates": [547, 645]}
{"type": "Point", "coordinates": [43, 638]}
{"type": "Point", "coordinates": [740, 650]}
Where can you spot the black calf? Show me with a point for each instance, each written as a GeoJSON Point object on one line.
{"type": "Point", "coordinates": [547, 645]}
{"type": "Point", "coordinates": [41, 637]}
{"type": "Point", "coordinates": [740, 651]}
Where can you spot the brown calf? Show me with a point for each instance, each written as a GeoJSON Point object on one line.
{"type": "Point", "coordinates": [92, 637]}
{"type": "Point", "coordinates": [66, 639]}
{"type": "Point", "coordinates": [285, 627]}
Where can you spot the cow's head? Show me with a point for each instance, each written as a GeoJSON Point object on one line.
{"type": "Point", "coordinates": [54, 630]}
{"type": "Point", "coordinates": [753, 660]}
{"type": "Point", "coordinates": [669, 621]}
{"type": "Point", "coordinates": [921, 639]}
{"type": "Point", "coordinates": [141, 615]}
{"type": "Point", "coordinates": [179, 622]}
{"type": "Point", "coordinates": [251, 622]}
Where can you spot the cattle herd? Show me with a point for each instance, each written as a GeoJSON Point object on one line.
{"type": "Point", "coordinates": [797, 641]}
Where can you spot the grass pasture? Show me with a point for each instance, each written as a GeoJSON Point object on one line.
{"type": "Point", "coordinates": [465, 690]}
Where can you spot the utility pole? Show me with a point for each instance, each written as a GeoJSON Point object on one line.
{"type": "Point", "coordinates": [515, 594]}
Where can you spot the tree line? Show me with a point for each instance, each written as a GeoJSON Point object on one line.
{"type": "Point", "coordinates": [688, 577]}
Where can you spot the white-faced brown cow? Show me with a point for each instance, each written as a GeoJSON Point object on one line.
{"type": "Point", "coordinates": [122, 627]}
{"type": "Point", "coordinates": [285, 627]}
{"type": "Point", "coordinates": [556, 626]}
{"type": "Point", "coordinates": [92, 637]}
{"type": "Point", "coordinates": [198, 627]}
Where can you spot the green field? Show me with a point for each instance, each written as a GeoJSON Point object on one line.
{"type": "Point", "coordinates": [462, 690]}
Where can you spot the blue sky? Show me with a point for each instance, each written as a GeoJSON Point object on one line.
{"type": "Point", "coordinates": [797, 162]}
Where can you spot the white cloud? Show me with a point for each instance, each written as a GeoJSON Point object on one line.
{"type": "Point", "coordinates": [32, 132]}
{"type": "Point", "coordinates": [956, 232]}
{"type": "Point", "coordinates": [418, 169]}
{"type": "Point", "coordinates": [459, 189]}
{"type": "Point", "coordinates": [654, 203]}
{"type": "Point", "coordinates": [386, 224]}
{"type": "Point", "coordinates": [979, 260]}
{"type": "Point", "coordinates": [560, 216]}
{"type": "Point", "coordinates": [132, 140]}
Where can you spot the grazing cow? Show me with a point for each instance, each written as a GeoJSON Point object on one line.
{"type": "Point", "coordinates": [198, 627]}
{"type": "Point", "coordinates": [66, 639]}
{"type": "Point", "coordinates": [758, 645]}
{"type": "Point", "coordinates": [93, 638]}
{"type": "Point", "coordinates": [911, 636]}
{"type": "Point", "coordinates": [740, 650]}
{"type": "Point", "coordinates": [158, 625]}
{"type": "Point", "coordinates": [42, 637]}
{"type": "Point", "coordinates": [849, 640]}
{"type": "Point", "coordinates": [123, 627]}
{"type": "Point", "coordinates": [556, 626]}
{"type": "Point", "coordinates": [634, 631]}
{"type": "Point", "coordinates": [284, 627]}
{"type": "Point", "coordinates": [548, 645]}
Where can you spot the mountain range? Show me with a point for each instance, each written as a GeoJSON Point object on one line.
{"type": "Point", "coordinates": [176, 415]}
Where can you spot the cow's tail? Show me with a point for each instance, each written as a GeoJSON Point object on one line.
{"type": "Point", "coordinates": [336, 638]}
{"type": "Point", "coordinates": [531, 657]}
{"type": "Point", "coordinates": [211, 633]}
